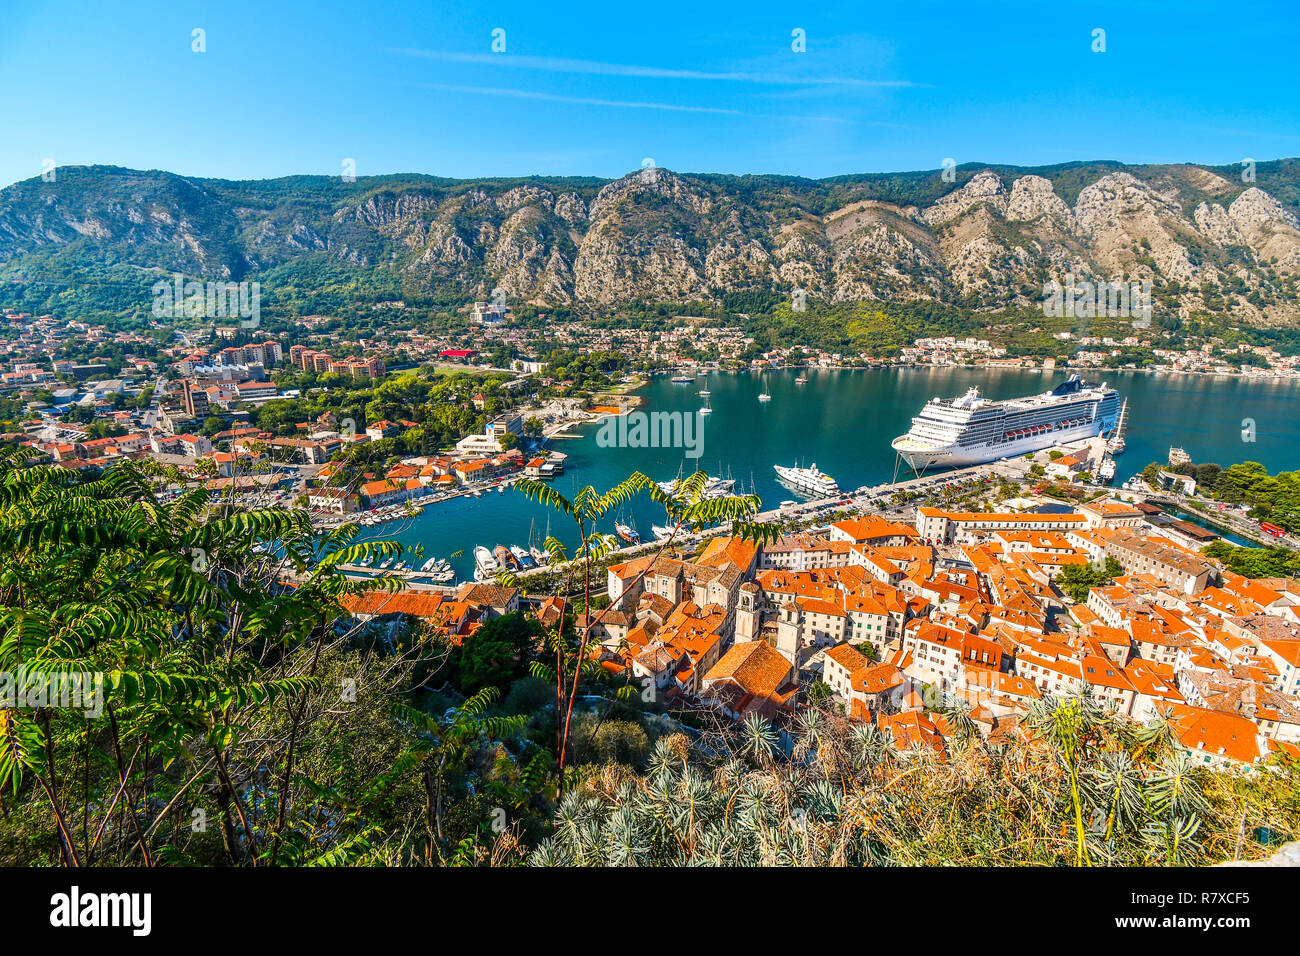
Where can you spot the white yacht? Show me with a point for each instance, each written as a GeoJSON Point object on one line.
{"type": "Point", "coordinates": [714, 487]}
{"type": "Point", "coordinates": [485, 565]}
{"type": "Point", "coordinates": [811, 480]}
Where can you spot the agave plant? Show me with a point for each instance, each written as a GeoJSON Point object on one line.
{"type": "Point", "coordinates": [845, 796]}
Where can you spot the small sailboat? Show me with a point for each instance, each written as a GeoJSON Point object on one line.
{"type": "Point", "coordinates": [764, 395]}
{"type": "Point", "coordinates": [801, 380]}
{"type": "Point", "coordinates": [704, 393]}
{"type": "Point", "coordinates": [1117, 442]}
{"type": "Point", "coordinates": [535, 548]}
{"type": "Point", "coordinates": [627, 533]}
{"type": "Point", "coordinates": [707, 409]}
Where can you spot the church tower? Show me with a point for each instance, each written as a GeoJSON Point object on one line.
{"type": "Point", "coordinates": [748, 620]}
{"type": "Point", "coordinates": [789, 632]}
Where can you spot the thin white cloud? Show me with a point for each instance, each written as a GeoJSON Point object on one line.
{"type": "Point", "coordinates": [624, 104]}
{"type": "Point", "coordinates": [1251, 133]}
{"type": "Point", "coordinates": [561, 65]}
{"type": "Point", "coordinates": [584, 100]}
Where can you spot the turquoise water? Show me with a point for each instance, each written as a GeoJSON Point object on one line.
{"type": "Point", "coordinates": [844, 421]}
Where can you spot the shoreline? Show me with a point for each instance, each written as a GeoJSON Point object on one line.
{"type": "Point", "coordinates": [1271, 376]}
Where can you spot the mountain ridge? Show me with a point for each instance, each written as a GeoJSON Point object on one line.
{"type": "Point", "coordinates": [991, 238]}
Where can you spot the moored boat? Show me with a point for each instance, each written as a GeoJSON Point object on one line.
{"type": "Point", "coordinates": [810, 480]}
{"type": "Point", "coordinates": [485, 565]}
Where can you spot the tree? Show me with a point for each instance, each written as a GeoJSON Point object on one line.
{"type": "Point", "coordinates": [869, 651]}
{"type": "Point", "coordinates": [1274, 498]}
{"type": "Point", "coordinates": [1078, 579]}
{"type": "Point", "coordinates": [198, 644]}
{"type": "Point", "coordinates": [497, 653]}
{"type": "Point", "coordinates": [1255, 562]}
{"type": "Point", "coordinates": [104, 429]}
{"type": "Point", "coordinates": [1207, 476]}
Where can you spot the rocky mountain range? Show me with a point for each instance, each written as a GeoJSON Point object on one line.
{"type": "Point", "coordinates": [1211, 238]}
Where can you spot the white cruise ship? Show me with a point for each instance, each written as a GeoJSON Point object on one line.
{"type": "Point", "coordinates": [809, 480]}
{"type": "Point", "coordinates": [971, 430]}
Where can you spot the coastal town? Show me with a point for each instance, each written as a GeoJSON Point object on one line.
{"type": "Point", "coordinates": [917, 626]}
{"type": "Point", "coordinates": [739, 440]}
{"type": "Point", "coordinates": [893, 619]}
{"type": "Point", "coordinates": [84, 394]}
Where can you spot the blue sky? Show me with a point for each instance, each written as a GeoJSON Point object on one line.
{"type": "Point", "coordinates": [599, 88]}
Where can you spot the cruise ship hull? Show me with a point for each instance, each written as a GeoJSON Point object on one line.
{"type": "Point", "coordinates": [970, 430]}
{"type": "Point", "coordinates": [958, 456]}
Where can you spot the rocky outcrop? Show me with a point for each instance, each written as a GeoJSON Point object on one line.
{"type": "Point", "coordinates": [984, 189]}
{"type": "Point", "coordinates": [1032, 199]}
{"type": "Point", "coordinates": [1286, 855]}
{"type": "Point", "coordinates": [1268, 228]}
{"type": "Point", "coordinates": [1128, 222]}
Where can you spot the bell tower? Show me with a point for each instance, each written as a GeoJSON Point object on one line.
{"type": "Point", "coordinates": [747, 614]}
{"type": "Point", "coordinates": [789, 632]}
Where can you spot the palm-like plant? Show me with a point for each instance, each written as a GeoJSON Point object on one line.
{"type": "Point", "coordinates": [444, 741]}
{"type": "Point", "coordinates": [686, 507]}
